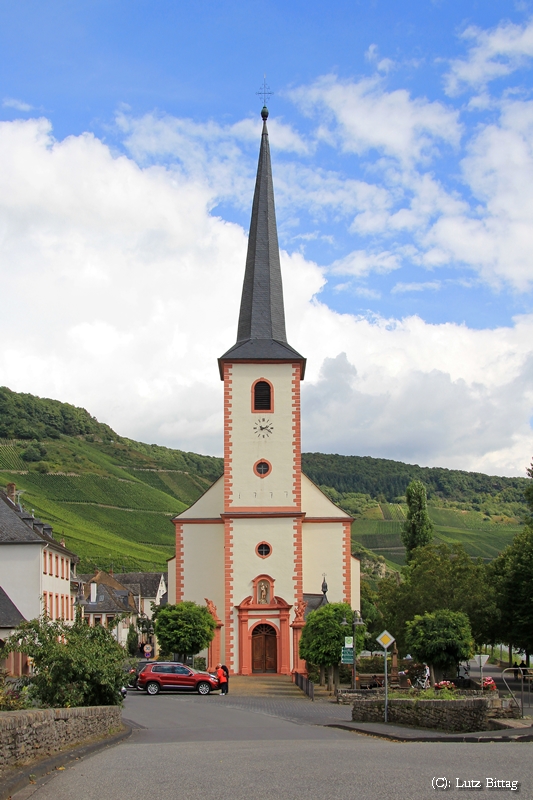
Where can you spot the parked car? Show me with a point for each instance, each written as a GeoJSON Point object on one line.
{"type": "Point", "coordinates": [159, 675]}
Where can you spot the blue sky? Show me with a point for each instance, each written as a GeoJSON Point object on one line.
{"type": "Point", "coordinates": [401, 140]}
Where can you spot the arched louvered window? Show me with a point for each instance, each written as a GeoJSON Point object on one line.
{"type": "Point", "coordinates": [262, 396]}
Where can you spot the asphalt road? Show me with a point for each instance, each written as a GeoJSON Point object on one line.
{"type": "Point", "coordinates": [202, 748]}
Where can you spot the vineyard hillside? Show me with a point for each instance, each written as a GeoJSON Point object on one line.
{"type": "Point", "coordinates": [113, 498]}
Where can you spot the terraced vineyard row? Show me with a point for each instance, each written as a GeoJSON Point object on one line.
{"type": "Point", "coordinates": [481, 538]}
{"type": "Point", "coordinates": [98, 489]}
{"type": "Point", "coordinates": [10, 456]}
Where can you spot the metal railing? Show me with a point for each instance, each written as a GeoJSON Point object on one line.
{"type": "Point", "coordinates": [523, 675]}
{"type": "Point", "coordinates": [305, 684]}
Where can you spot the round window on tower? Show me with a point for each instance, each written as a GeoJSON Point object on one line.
{"type": "Point", "coordinates": [263, 550]}
{"type": "Point", "coordinates": [262, 468]}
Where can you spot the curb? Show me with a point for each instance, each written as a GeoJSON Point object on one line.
{"type": "Point", "coordinates": [467, 737]}
{"type": "Point", "coordinates": [48, 765]}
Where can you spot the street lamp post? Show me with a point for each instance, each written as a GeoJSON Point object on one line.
{"type": "Point", "coordinates": [356, 620]}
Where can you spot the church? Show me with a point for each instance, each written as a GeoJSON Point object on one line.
{"type": "Point", "coordinates": [258, 544]}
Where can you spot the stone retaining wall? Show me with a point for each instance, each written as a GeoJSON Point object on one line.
{"type": "Point", "coordinates": [465, 716]}
{"type": "Point", "coordinates": [26, 735]}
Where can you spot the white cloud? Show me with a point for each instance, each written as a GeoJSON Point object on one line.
{"type": "Point", "coordinates": [363, 116]}
{"type": "Point", "coordinates": [124, 289]}
{"type": "Point", "coordinates": [402, 288]}
{"type": "Point", "coordinates": [492, 54]}
{"type": "Point", "coordinates": [495, 235]}
{"type": "Point", "coordinates": [360, 263]}
{"type": "Point", "coordinates": [18, 105]}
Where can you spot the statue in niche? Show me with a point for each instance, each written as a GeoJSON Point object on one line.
{"type": "Point", "coordinates": [263, 593]}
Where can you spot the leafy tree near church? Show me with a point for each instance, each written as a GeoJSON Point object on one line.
{"type": "Point", "coordinates": [440, 577]}
{"type": "Point", "coordinates": [417, 529]}
{"type": "Point", "coordinates": [441, 639]}
{"type": "Point", "coordinates": [323, 634]}
{"type": "Point", "coordinates": [185, 628]}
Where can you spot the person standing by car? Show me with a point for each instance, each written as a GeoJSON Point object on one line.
{"type": "Point", "coordinates": [222, 680]}
{"type": "Point", "coordinates": [226, 673]}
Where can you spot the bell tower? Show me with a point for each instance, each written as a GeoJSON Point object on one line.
{"type": "Point", "coordinates": [262, 374]}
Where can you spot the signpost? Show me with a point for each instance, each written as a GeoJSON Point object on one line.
{"type": "Point", "coordinates": [347, 655]}
{"type": "Point", "coordinates": [385, 640]}
{"type": "Point", "coordinates": [481, 660]}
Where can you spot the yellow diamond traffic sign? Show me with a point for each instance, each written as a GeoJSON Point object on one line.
{"type": "Point", "coordinates": [385, 639]}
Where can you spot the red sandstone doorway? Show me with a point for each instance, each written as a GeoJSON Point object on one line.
{"type": "Point", "coordinates": [264, 649]}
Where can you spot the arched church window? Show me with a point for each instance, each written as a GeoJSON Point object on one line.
{"type": "Point", "coordinates": [262, 396]}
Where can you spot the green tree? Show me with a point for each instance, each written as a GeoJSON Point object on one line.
{"type": "Point", "coordinates": [184, 628]}
{"type": "Point", "coordinates": [440, 639]}
{"type": "Point", "coordinates": [323, 634]}
{"type": "Point", "coordinates": [132, 641]}
{"type": "Point", "coordinates": [512, 576]}
{"type": "Point", "coordinates": [417, 529]}
{"type": "Point", "coordinates": [440, 577]}
{"type": "Point", "coordinates": [74, 665]}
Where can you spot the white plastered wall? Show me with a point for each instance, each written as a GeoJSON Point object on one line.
{"type": "Point", "coordinates": [247, 534]}
{"type": "Point", "coordinates": [20, 576]}
{"type": "Point", "coordinates": [209, 506]}
{"type": "Point", "coordinates": [171, 586]}
{"type": "Point", "coordinates": [316, 504]}
{"type": "Point", "coordinates": [323, 552]}
{"type": "Point", "coordinates": [203, 558]}
{"type": "Point", "coordinates": [356, 583]}
{"type": "Point", "coordinates": [276, 489]}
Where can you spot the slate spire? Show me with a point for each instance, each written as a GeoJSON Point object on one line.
{"type": "Point", "coordinates": [262, 315]}
{"type": "Point", "coordinates": [261, 330]}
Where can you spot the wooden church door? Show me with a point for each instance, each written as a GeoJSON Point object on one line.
{"type": "Point", "coordinates": [264, 649]}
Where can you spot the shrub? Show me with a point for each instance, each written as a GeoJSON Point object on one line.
{"type": "Point", "coordinates": [74, 665]}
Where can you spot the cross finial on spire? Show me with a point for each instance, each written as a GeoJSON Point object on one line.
{"type": "Point", "coordinates": [265, 91]}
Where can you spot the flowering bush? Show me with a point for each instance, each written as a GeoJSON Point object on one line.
{"type": "Point", "coordinates": [445, 685]}
{"type": "Point", "coordinates": [488, 683]}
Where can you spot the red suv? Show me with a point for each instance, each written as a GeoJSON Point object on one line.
{"type": "Point", "coordinates": [171, 675]}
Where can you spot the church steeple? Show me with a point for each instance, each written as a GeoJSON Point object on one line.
{"type": "Point", "coordinates": [261, 331]}
{"type": "Point", "coordinates": [262, 315]}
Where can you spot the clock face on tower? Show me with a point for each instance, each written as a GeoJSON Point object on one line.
{"type": "Point", "coordinates": [263, 428]}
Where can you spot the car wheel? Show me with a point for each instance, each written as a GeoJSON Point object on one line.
{"type": "Point", "coordinates": [203, 688]}
{"type": "Point", "coordinates": [153, 688]}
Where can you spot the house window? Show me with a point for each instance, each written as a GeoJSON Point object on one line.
{"type": "Point", "coordinates": [97, 621]}
{"type": "Point", "coordinates": [62, 606]}
{"type": "Point", "coordinates": [45, 602]}
{"type": "Point", "coordinates": [50, 564]}
{"type": "Point", "coordinates": [262, 396]}
{"type": "Point", "coordinates": [57, 606]}
{"type": "Point", "coordinates": [57, 566]}
{"type": "Point", "coordinates": [45, 556]}
{"type": "Point", "coordinates": [62, 568]}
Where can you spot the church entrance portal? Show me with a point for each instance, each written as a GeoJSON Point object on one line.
{"type": "Point", "coordinates": [264, 649]}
